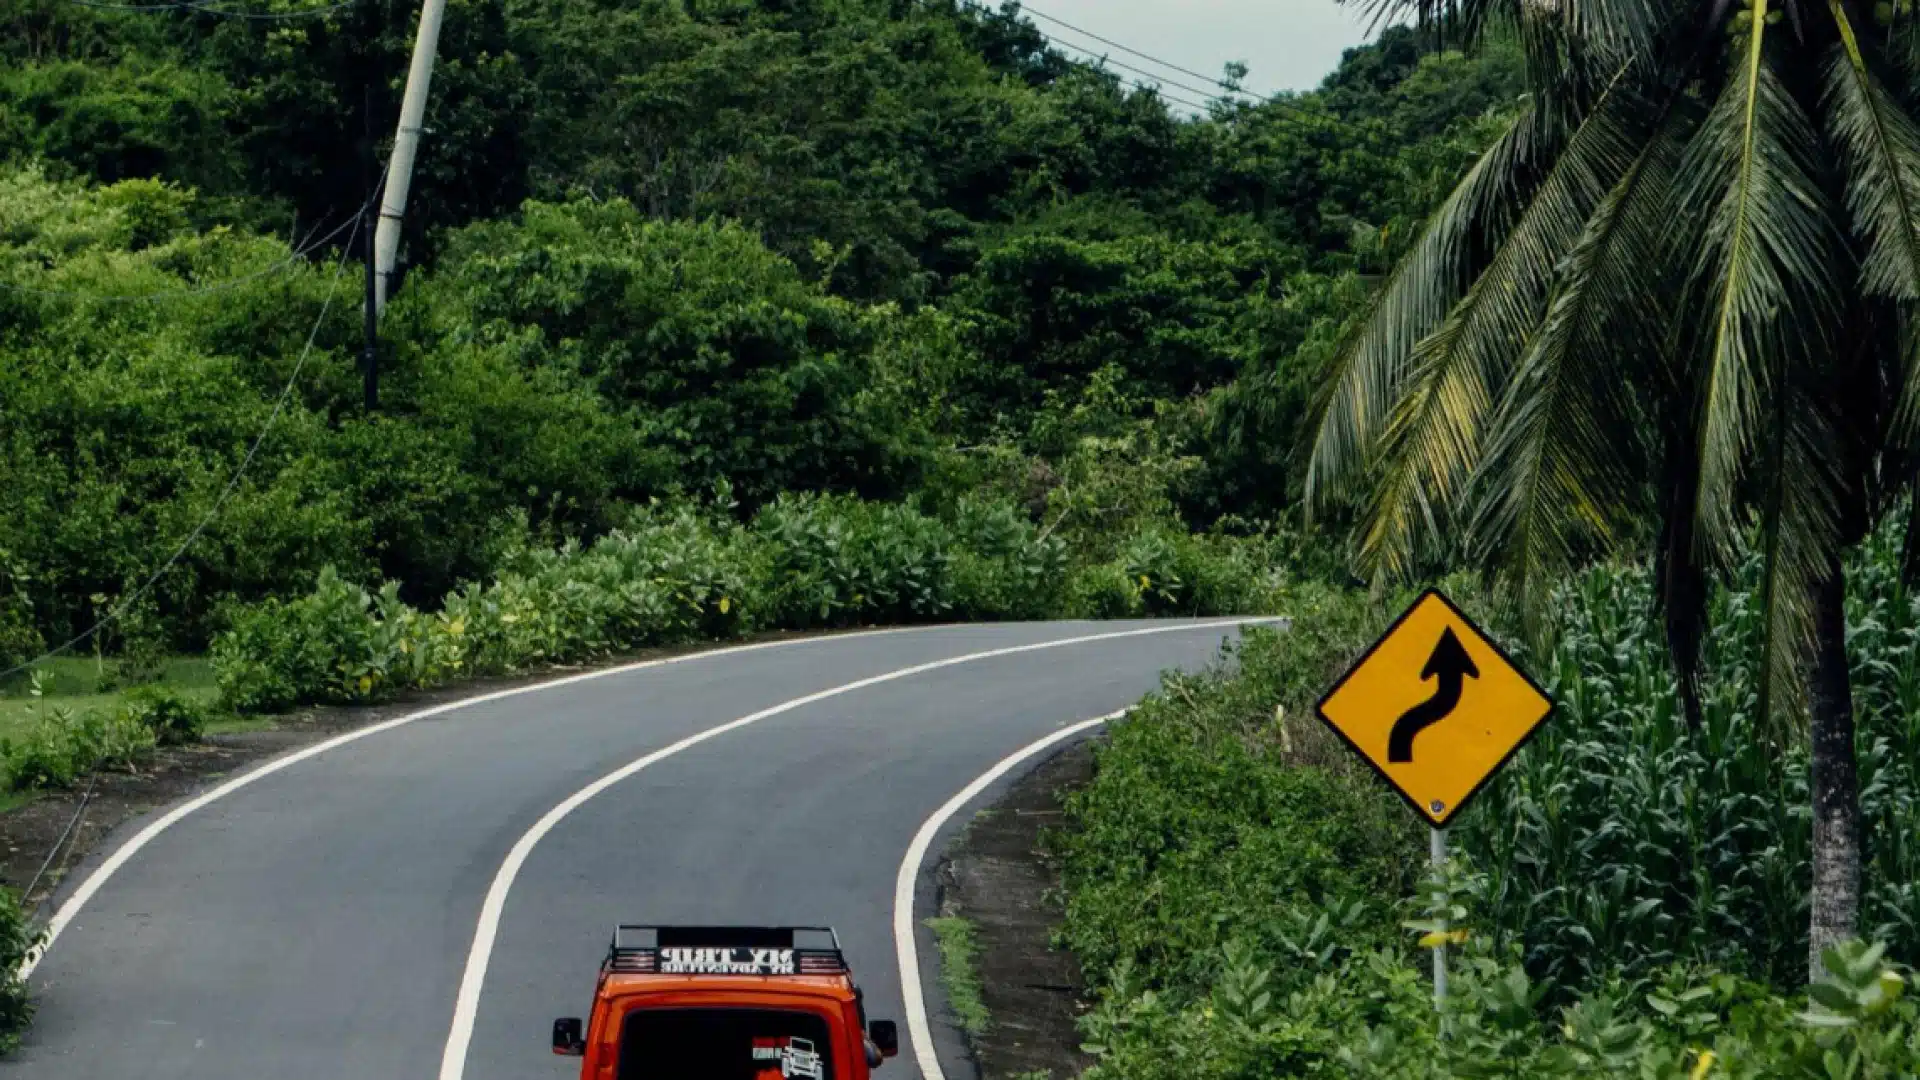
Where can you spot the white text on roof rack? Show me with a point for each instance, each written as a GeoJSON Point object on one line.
{"type": "Point", "coordinates": [727, 961]}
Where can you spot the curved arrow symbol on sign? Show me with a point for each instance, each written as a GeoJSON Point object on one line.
{"type": "Point", "coordinates": [1452, 664]}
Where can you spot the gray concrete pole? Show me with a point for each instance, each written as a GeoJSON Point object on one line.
{"type": "Point", "coordinates": [406, 142]}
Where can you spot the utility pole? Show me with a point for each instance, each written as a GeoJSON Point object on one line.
{"type": "Point", "coordinates": [369, 353]}
{"type": "Point", "coordinates": [413, 111]}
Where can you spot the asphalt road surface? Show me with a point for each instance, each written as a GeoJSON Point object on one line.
{"type": "Point", "coordinates": [317, 924]}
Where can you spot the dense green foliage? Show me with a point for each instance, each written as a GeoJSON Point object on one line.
{"type": "Point", "coordinates": [1224, 852]}
{"type": "Point", "coordinates": [677, 573]}
{"type": "Point", "coordinates": [1200, 829]}
{"type": "Point", "coordinates": [850, 246]}
{"type": "Point", "coordinates": [1695, 846]}
{"type": "Point", "coordinates": [1372, 1014]}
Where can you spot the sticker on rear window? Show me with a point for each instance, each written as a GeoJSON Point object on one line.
{"type": "Point", "coordinates": [796, 1056]}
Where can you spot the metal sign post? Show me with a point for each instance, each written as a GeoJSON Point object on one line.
{"type": "Point", "coordinates": [1437, 847]}
{"type": "Point", "coordinates": [1436, 708]}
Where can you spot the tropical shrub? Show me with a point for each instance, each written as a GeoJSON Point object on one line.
{"type": "Point", "coordinates": [1370, 1013]}
{"type": "Point", "coordinates": [60, 747]}
{"type": "Point", "coordinates": [1207, 816]}
{"type": "Point", "coordinates": [173, 719]}
{"type": "Point", "coordinates": [676, 572]}
{"type": "Point", "coordinates": [17, 938]}
{"type": "Point", "coordinates": [1003, 565]}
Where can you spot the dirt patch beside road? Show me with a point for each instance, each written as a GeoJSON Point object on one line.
{"type": "Point", "coordinates": [57, 824]}
{"type": "Point", "coordinates": [996, 878]}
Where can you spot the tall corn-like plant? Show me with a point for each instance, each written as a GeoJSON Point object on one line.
{"type": "Point", "coordinates": [1682, 288]}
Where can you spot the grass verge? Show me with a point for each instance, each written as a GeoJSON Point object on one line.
{"type": "Point", "coordinates": [957, 973]}
{"type": "Point", "coordinates": [82, 684]}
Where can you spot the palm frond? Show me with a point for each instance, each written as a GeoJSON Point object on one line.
{"type": "Point", "coordinates": [1615, 30]}
{"type": "Point", "coordinates": [1563, 458]}
{"type": "Point", "coordinates": [1880, 153]}
{"type": "Point", "coordinates": [1432, 443]}
{"type": "Point", "coordinates": [1799, 530]}
{"type": "Point", "coordinates": [1450, 20]}
{"type": "Point", "coordinates": [1766, 274]}
{"type": "Point", "coordinates": [1356, 400]}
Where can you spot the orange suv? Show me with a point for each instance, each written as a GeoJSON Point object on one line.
{"type": "Point", "coordinates": [726, 1003]}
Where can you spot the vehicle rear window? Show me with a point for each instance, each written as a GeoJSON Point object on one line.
{"type": "Point", "coordinates": [725, 1044]}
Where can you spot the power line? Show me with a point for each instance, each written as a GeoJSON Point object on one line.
{"type": "Point", "coordinates": [78, 813]}
{"type": "Point", "coordinates": [299, 255]}
{"type": "Point", "coordinates": [1286, 112]}
{"type": "Point", "coordinates": [1287, 115]}
{"type": "Point", "coordinates": [1139, 71]}
{"type": "Point", "coordinates": [1031, 10]}
{"type": "Point", "coordinates": [233, 482]}
{"type": "Point", "coordinates": [1135, 84]}
{"type": "Point", "coordinates": [1161, 93]}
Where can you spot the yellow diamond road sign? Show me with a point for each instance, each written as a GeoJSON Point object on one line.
{"type": "Point", "coordinates": [1435, 707]}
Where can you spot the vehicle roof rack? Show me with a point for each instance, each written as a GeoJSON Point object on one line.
{"type": "Point", "coordinates": [725, 950]}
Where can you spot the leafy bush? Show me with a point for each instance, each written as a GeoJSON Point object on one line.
{"type": "Point", "coordinates": [674, 573]}
{"type": "Point", "coordinates": [61, 747]}
{"type": "Point", "coordinates": [281, 653]}
{"type": "Point", "coordinates": [1206, 813]}
{"type": "Point", "coordinates": [832, 561]}
{"type": "Point", "coordinates": [1003, 565]}
{"type": "Point", "coordinates": [174, 720]}
{"type": "Point", "coordinates": [44, 758]}
{"type": "Point", "coordinates": [17, 939]}
{"type": "Point", "coordinates": [1371, 1013]}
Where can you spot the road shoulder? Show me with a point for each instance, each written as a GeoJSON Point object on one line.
{"type": "Point", "coordinates": [996, 878]}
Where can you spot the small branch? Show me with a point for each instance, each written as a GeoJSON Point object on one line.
{"type": "Point", "coordinates": [1048, 531]}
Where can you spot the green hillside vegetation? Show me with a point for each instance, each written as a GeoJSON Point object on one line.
{"type": "Point", "coordinates": [888, 250]}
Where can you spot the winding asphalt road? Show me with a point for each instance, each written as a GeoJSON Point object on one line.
{"type": "Point", "coordinates": [320, 922]}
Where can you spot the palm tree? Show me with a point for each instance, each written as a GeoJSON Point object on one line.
{"type": "Point", "coordinates": [1681, 287]}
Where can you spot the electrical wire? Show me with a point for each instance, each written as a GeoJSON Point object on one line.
{"type": "Point", "coordinates": [233, 482]}
{"type": "Point", "coordinates": [78, 813]}
{"type": "Point", "coordinates": [1103, 60]}
{"type": "Point", "coordinates": [299, 255]}
{"type": "Point", "coordinates": [1161, 93]}
{"type": "Point", "coordinates": [1031, 10]}
{"type": "Point", "coordinates": [1286, 115]}
{"type": "Point", "coordinates": [1286, 112]}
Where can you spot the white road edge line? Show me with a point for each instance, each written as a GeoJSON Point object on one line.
{"type": "Point", "coordinates": [466, 1005]}
{"type": "Point", "coordinates": [919, 1029]}
{"type": "Point", "coordinates": [64, 915]}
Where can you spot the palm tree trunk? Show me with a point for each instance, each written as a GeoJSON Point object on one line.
{"type": "Point", "coordinates": [1836, 781]}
